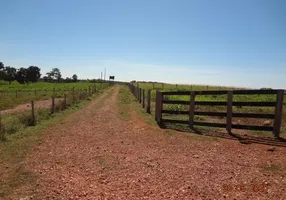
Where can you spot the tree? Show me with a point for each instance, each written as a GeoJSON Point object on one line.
{"type": "Point", "coordinates": [46, 79]}
{"type": "Point", "coordinates": [55, 74]}
{"type": "Point", "coordinates": [21, 76]}
{"type": "Point", "coordinates": [68, 80]}
{"type": "Point", "coordinates": [74, 78]}
{"type": "Point", "coordinates": [33, 74]}
{"type": "Point", "coordinates": [9, 74]}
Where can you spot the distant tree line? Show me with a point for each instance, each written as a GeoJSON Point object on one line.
{"type": "Point", "coordinates": [22, 75]}
{"type": "Point", "coordinates": [32, 74]}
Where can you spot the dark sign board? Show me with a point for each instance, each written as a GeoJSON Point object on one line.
{"type": "Point", "coordinates": [111, 77]}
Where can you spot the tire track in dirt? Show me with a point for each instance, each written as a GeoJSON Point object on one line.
{"type": "Point", "coordinates": [95, 155]}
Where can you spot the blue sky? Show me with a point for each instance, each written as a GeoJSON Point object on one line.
{"type": "Point", "coordinates": [212, 42]}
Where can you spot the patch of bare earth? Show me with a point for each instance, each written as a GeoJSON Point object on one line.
{"type": "Point", "coordinates": [95, 155]}
{"type": "Point", "coordinates": [27, 106]}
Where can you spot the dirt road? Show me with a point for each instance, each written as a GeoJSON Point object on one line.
{"type": "Point", "coordinates": [95, 155]}
{"type": "Point", "coordinates": [27, 106]}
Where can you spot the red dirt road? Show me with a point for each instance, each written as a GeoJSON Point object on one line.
{"type": "Point", "coordinates": [27, 106]}
{"type": "Point", "coordinates": [96, 155]}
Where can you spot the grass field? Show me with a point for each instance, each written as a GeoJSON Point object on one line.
{"type": "Point", "coordinates": [174, 87]}
{"type": "Point", "coordinates": [15, 94]}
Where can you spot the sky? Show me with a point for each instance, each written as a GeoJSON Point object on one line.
{"type": "Point", "coordinates": [238, 43]}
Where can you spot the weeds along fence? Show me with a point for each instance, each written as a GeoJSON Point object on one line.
{"type": "Point", "coordinates": [226, 105]}
{"type": "Point", "coordinates": [30, 115]}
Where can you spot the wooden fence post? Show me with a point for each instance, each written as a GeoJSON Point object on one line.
{"type": "Point", "coordinates": [192, 109]}
{"type": "Point", "coordinates": [0, 123]}
{"type": "Point", "coordinates": [229, 111]}
{"type": "Point", "coordinates": [149, 102]}
{"type": "Point", "coordinates": [159, 105]}
{"type": "Point", "coordinates": [143, 98]}
{"type": "Point", "coordinates": [65, 100]}
{"type": "Point", "coordinates": [53, 104]}
{"type": "Point", "coordinates": [278, 113]}
{"type": "Point", "coordinates": [33, 113]}
{"type": "Point", "coordinates": [73, 97]}
{"type": "Point", "coordinates": [140, 95]}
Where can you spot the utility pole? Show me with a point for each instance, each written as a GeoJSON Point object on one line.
{"type": "Point", "coordinates": [101, 77]}
{"type": "Point", "coordinates": [104, 74]}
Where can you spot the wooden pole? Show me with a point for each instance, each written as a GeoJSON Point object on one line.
{"type": "Point", "coordinates": [278, 113]}
{"type": "Point", "coordinates": [143, 98]}
{"type": "Point", "coordinates": [229, 111]}
{"type": "Point", "coordinates": [159, 105]}
{"type": "Point", "coordinates": [192, 110]}
{"type": "Point", "coordinates": [65, 100]}
{"type": "Point", "coordinates": [73, 96]}
{"type": "Point", "coordinates": [149, 102]}
{"type": "Point", "coordinates": [0, 122]}
{"type": "Point", "coordinates": [53, 104]}
{"type": "Point", "coordinates": [140, 95]}
{"type": "Point", "coordinates": [33, 113]}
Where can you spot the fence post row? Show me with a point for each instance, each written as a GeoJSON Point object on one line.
{"type": "Point", "coordinates": [278, 113]}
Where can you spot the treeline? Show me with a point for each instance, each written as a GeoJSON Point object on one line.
{"type": "Point", "coordinates": [32, 74]}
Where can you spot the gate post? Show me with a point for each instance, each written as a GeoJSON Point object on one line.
{"type": "Point", "coordinates": [149, 102]}
{"type": "Point", "coordinates": [192, 110]}
{"type": "Point", "coordinates": [159, 106]}
{"type": "Point", "coordinates": [229, 111]}
{"type": "Point", "coordinates": [278, 113]}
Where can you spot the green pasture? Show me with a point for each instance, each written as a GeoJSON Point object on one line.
{"type": "Point", "coordinates": [16, 94]}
